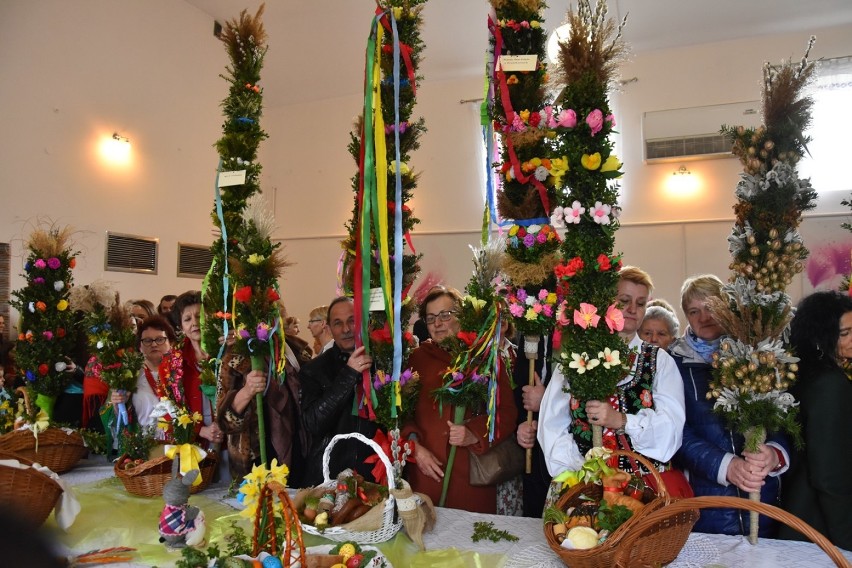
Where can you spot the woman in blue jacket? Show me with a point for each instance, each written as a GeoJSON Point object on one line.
{"type": "Point", "coordinates": [711, 454]}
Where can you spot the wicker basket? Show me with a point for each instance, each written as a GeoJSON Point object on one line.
{"type": "Point", "coordinates": [636, 548]}
{"type": "Point", "coordinates": [391, 523]}
{"type": "Point", "coordinates": [27, 491]}
{"type": "Point", "coordinates": [149, 478]}
{"type": "Point", "coordinates": [58, 449]}
{"type": "Point", "coordinates": [665, 546]}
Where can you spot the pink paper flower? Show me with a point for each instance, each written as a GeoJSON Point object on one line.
{"type": "Point", "coordinates": [54, 263]}
{"type": "Point", "coordinates": [567, 118]}
{"type": "Point", "coordinates": [595, 121]}
{"type": "Point", "coordinates": [611, 120]}
{"type": "Point", "coordinates": [517, 310]}
{"type": "Point", "coordinates": [573, 215]}
{"type": "Point", "coordinates": [600, 213]}
{"type": "Point", "coordinates": [614, 319]}
{"type": "Point", "coordinates": [586, 316]}
{"type": "Point", "coordinates": [40, 264]}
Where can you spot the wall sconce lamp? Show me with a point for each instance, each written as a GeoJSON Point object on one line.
{"type": "Point", "coordinates": [682, 183]}
{"type": "Point", "coordinates": [116, 149]}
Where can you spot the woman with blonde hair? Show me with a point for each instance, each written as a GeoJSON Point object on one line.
{"type": "Point", "coordinates": [318, 326]}
{"type": "Point", "coordinates": [712, 454]}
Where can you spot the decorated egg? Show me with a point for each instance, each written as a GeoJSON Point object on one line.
{"type": "Point", "coordinates": [347, 551]}
{"type": "Point", "coordinates": [272, 562]}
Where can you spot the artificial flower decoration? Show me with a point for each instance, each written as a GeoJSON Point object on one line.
{"type": "Point", "coordinates": [609, 358]}
{"type": "Point", "coordinates": [614, 319]}
{"type": "Point", "coordinates": [62, 305]}
{"type": "Point", "coordinates": [243, 294]}
{"type": "Point", "coordinates": [254, 481]}
{"type": "Point", "coordinates": [611, 164]}
{"type": "Point", "coordinates": [403, 168]}
{"type": "Point", "coordinates": [586, 316]}
{"type": "Point", "coordinates": [40, 264]}
{"type": "Point", "coordinates": [581, 362]}
{"type": "Point", "coordinates": [595, 121]}
{"type": "Point", "coordinates": [600, 213]}
{"type": "Point", "coordinates": [573, 215]}
{"type": "Point", "coordinates": [41, 306]}
{"type": "Point", "coordinates": [475, 302]}
{"type": "Point", "coordinates": [557, 218]}
{"type": "Point", "coordinates": [58, 285]}
{"type": "Point", "coordinates": [255, 258]}
{"type": "Point", "coordinates": [591, 161]}
{"type": "Point", "coordinates": [512, 79]}
{"type": "Point", "coordinates": [567, 118]}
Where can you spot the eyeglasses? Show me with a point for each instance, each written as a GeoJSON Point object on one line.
{"type": "Point", "coordinates": [149, 341]}
{"type": "Point", "coordinates": [446, 315]}
{"type": "Point", "coordinates": [314, 320]}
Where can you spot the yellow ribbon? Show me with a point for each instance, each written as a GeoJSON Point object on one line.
{"type": "Point", "coordinates": [382, 179]}
{"type": "Point", "coordinates": [397, 391]}
{"type": "Point", "coordinates": [190, 458]}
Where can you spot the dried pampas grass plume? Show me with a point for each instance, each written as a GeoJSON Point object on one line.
{"type": "Point", "coordinates": [594, 47]}
{"type": "Point", "coordinates": [259, 213]}
{"type": "Point", "coordinates": [245, 28]}
{"type": "Point", "coordinates": [49, 239]}
{"type": "Point", "coordinates": [88, 298]}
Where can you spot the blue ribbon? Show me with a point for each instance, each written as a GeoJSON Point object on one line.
{"type": "Point", "coordinates": [397, 232]}
{"type": "Point", "coordinates": [226, 279]}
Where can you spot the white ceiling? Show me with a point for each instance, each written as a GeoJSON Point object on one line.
{"type": "Point", "coordinates": [316, 47]}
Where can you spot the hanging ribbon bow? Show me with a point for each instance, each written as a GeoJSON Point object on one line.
{"type": "Point", "coordinates": [190, 458]}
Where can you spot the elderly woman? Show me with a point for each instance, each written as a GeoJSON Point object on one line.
{"type": "Point", "coordinates": [659, 327]}
{"type": "Point", "coordinates": [187, 307]}
{"type": "Point", "coordinates": [432, 428]}
{"type": "Point", "coordinates": [646, 412]}
{"type": "Point", "coordinates": [237, 411]}
{"type": "Point", "coordinates": [817, 487]}
{"type": "Point", "coordinates": [154, 338]}
{"type": "Point", "coordinates": [711, 453]}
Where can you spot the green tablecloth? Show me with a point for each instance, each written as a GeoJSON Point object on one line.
{"type": "Point", "coordinates": [112, 517]}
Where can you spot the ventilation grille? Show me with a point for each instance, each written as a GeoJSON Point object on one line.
{"type": "Point", "coordinates": [193, 260]}
{"type": "Point", "coordinates": [130, 253]}
{"type": "Point", "coordinates": [664, 149]}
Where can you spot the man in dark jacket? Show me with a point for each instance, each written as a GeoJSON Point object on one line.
{"type": "Point", "coordinates": [329, 389]}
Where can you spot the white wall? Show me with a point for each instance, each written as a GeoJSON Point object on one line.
{"type": "Point", "coordinates": [73, 72]}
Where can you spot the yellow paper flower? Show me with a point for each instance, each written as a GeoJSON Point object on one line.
{"type": "Point", "coordinates": [611, 164]}
{"type": "Point", "coordinates": [535, 24]}
{"type": "Point", "coordinates": [255, 259]}
{"type": "Point", "coordinates": [592, 162]}
{"type": "Point", "coordinates": [184, 419]}
{"type": "Point", "coordinates": [530, 315]}
{"type": "Point", "coordinates": [403, 167]}
{"type": "Point", "coordinates": [397, 13]}
{"type": "Point", "coordinates": [551, 298]}
{"type": "Point", "coordinates": [254, 481]}
{"type": "Point", "coordinates": [525, 115]}
{"type": "Point", "coordinates": [62, 305]}
{"type": "Point", "coordinates": [476, 303]}
{"type": "Point", "coordinates": [513, 230]}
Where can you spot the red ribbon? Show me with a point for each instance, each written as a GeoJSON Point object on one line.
{"type": "Point", "coordinates": [407, 235]}
{"type": "Point", "coordinates": [404, 50]}
{"type": "Point", "coordinates": [508, 111]}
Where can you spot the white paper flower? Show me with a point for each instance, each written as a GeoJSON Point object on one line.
{"type": "Point", "coordinates": [573, 215]}
{"type": "Point", "coordinates": [100, 345]}
{"type": "Point", "coordinates": [60, 366]}
{"type": "Point", "coordinates": [58, 285]}
{"type": "Point", "coordinates": [31, 307]}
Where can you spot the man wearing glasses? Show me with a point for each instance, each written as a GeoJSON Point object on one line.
{"type": "Point", "coordinates": [329, 398]}
{"type": "Point", "coordinates": [318, 326]}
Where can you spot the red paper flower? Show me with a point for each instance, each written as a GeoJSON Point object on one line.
{"type": "Point", "coordinates": [604, 263]}
{"type": "Point", "coordinates": [272, 295]}
{"type": "Point", "coordinates": [243, 294]}
{"type": "Point", "coordinates": [60, 331]}
{"type": "Point", "coordinates": [42, 369]}
{"type": "Point", "coordinates": [468, 337]}
{"type": "Point", "coordinates": [381, 335]}
{"type": "Point", "coordinates": [72, 263]}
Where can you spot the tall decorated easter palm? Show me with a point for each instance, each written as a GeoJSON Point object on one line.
{"type": "Point", "coordinates": [754, 369]}
{"type": "Point", "coordinates": [594, 358]}
{"type": "Point", "coordinates": [379, 263]}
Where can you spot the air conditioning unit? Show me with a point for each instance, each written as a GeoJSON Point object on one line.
{"type": "Point", "coordinates": [676, 135]}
